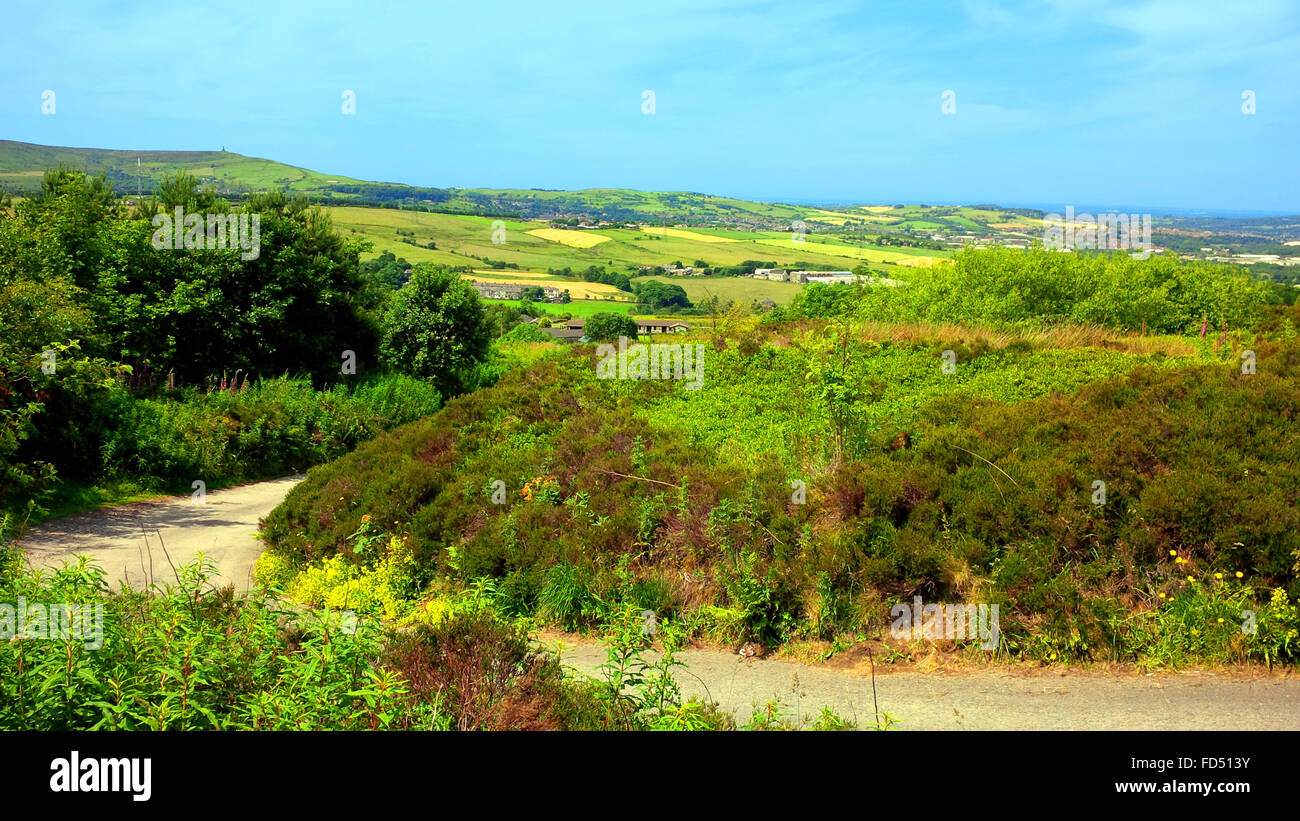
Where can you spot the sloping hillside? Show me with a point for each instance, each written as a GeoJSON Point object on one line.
{"type": "Point", "coordinates": [22, 164]}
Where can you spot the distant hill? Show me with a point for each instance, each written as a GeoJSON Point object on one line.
{"type": "Point", "coordinates": [22, 164]}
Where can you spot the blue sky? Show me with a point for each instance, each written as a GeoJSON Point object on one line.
{"type": "Point", "coordinates": [1096, 102]}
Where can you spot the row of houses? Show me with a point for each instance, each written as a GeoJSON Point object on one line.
{"type": "Point", "coordinates": [513, 290]}
{"type": "Point", "coordinates": [675, 271]}
{"type": "Point", "coordinates": [782, 275]}
{"type": "Point", "coordinates": [572, 330]}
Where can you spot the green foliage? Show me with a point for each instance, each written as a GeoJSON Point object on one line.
{"type": "Point", "coordinates": [434, 328]}
{"type": "Point", "coordinates": [245, 432]}
{"type": "Point", "coordinates": [188, 657]}
{"type": "Point", "coordinates": [642, 693]}
{"type": "Point", "coordinates": [973, 486]}
{"type": "Point", "coordinates": [606, 327]}
{"type": "Point", "coordinates": [270, 428]}
{"type": "Point", "coordinates": [773, 716]}
{"type": "Point", "coordinates": [566, 597]}
{"type": "Point", "coordinates": [118, 321]}
{"type": "Point", "coordinates": [383, 275]}
{"type": "Point", "coordinates": [183, 658]}
{"type": "Point", "coordinates": [194, 313]}
{"type": "Point", "coordinates": [1162, 294]}
{"type": "Point", "coordinates": [527, 332]}
{"type": "Point", "coordinates": [654, 294]}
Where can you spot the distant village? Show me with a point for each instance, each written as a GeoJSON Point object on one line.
{"type": "Point", "coordinates": [572, 330]}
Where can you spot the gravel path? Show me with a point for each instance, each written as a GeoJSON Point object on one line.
{"type": "Point", "coordinates": [133, 542]}
{"type": "Point", "coordinates": [998, 699]}
{"type": "Point", "coordinates": [128, 542]}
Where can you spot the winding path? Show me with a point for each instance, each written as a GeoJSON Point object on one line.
{"type": "Point", "coordinates": [129, 541]}
{"type": "Point", "coordinates": [1000, 698]}
{"type": "Point", "coordinates": [140, 542]}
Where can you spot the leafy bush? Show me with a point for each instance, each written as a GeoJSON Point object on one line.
{"type": "Point", "coordinates": [526, 332]}
{"type": "Point", "coordinates": [108, 338]}
{"type": "Point", "coordinates": [190, 657]}
{"type": "Point", "coordinates": [1161, 294]}
{"type": "Point", "coordinates": [604, 327]}
{"type": "Point", "coordinates": [222, 437]}
{"type": "Point", "coordinates": [435, 328]}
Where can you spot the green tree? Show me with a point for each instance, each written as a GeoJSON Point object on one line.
{"type": "Point", "coordinates": [604, 327]}
{"type": "Point", "coordinates": [296, 307]}
{"type": "Point", "coordinates": [655, 294]}
{"type": "Point", "coordinates": [182, 188]}
{"type": "Point", "coordinates": [435, 328]}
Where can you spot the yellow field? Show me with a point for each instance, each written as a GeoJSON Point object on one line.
{"type": "Point", "coordinates": [834, 217]}
{"type": "Point", "coordinates": [918, 262]}
{"type": "Point", "coordinates": [576, 288]}
{"type": "Point", "coordinates": [846, 251]}
{"type": "Point", "coordinates": [678, 232]}
{"type": "Point", "coordinates": [877, 218]}
{"type": "Point", "coordinates": [577, 239]}
{"type": "Point", "coordinates": [1020, 224]}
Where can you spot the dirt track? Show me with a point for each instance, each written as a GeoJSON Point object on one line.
{"type": "Point", "coordinates": [983, 700]}
{"type": "Point", "coordinates": [134, 542]}
{"type": "Point", "coordinates": [126, 541]}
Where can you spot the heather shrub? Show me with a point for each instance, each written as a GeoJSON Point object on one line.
{"type": "Point", "coordinates": [972, 487]}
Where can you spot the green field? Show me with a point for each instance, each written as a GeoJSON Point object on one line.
{"type": "Point", "coordinates": [467, 240]}
{"type": "Point", "coordinates": [586, 307]}
{"type": "Point", "coordinates": [742, 290]}
{"type": "Point", "coordinates": [936, 216]}
{"type": "Point", "coordinates": [578, 307]}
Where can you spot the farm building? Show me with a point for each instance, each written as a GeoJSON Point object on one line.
{"type": "Point", "coordinates": [829, 277]}
{"type": "Point", "coordinates": [644, 327]}
{"type": "Point", "coordinates": [660, 326]}
{"type": "Point", "coordinates": [564, 334]}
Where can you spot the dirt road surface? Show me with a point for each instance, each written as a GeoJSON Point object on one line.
{"type": "Point", "coordinates": [999, 699]}
{"type": "Point", "coordinates": [134, 542]}
{"type": "Point", "coordinates": [128, 542]}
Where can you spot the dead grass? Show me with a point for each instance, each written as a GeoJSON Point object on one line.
{"type": "Point", "coordinates": [1060, 336]}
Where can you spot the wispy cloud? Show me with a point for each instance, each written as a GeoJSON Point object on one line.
{"type": "Point", "coordinates": [1057, 100]}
